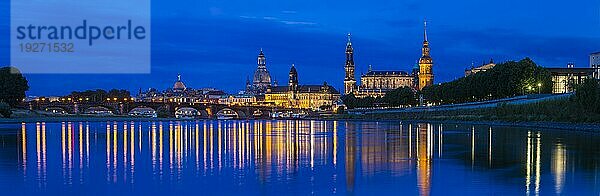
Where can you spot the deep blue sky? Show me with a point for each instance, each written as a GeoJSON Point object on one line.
{"type": "Point", "coordinates": [214, 43]}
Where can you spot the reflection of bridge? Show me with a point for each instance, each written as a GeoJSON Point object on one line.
{"type": "Point", "coordinates": [123, 108]}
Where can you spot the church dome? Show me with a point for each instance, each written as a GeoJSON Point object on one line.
{"type": "Point", "coordinates": [262, 76]}
{"type": "Point", "coordinates": [179, 85]}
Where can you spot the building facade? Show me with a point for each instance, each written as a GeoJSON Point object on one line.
{"type": "Point", "coordinates": [480, 68]}
{"type": "Point", "coordinates": [238, 100]}
{"type": "Point", "coordinates": [564, 80]}
{"type": "Point", "coordinates": [375, 83]}
{"type": "Point", "coordinates": [294, 95]}
{"type": "Point", "coordinates": [595, 64]}
{"type": "Point", "coordinates": [261, 80]}
{"type": "Point", "coordinates": [180, 93]}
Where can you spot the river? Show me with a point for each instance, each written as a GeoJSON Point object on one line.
{"type": "Point", "coordinates": [297, 157]}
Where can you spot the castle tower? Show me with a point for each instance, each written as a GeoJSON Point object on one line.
{"type": "Point", "coordinates": [349, 80]}
{"type": "Point", "coordinates": [425, 63]}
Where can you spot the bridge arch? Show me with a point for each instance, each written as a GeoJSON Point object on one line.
{"type": "Point", "coordinates": [187, 113]}
{"type": "Point", "coordinates": [227, 113]}
{"type": "Point", "coordinates": [143, 111]}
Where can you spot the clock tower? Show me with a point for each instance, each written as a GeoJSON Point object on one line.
{"type": "Point", "coordinates": [425, 63]}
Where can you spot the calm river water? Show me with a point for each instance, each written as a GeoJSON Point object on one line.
{"type": "Point", "coordinates": [290, 157]}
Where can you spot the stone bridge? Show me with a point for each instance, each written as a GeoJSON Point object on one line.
{"type": "Point", "coordinates": [206, 110]}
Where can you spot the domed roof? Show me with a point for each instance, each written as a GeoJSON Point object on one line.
{"type": "Point", "coordinates": [179, 85]}
{"type": "Point", "coordinates": [261, 76]}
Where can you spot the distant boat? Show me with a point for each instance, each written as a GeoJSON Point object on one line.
{"type": "Point", "coordinates": [289, 115]}
{"type": "Point", "coordinates": [257, 113]}
{"type": "Point", "coordinates": [227, 114]}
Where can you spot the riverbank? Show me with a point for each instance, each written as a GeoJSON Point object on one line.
{"type": "Point", "coordinates": [587, 127]}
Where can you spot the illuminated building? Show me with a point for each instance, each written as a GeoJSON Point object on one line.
{"type": "Point", "coordinates": [261, 79]}
{"type": "Point", "coordinates": [425, 63]}
{"type": "Point", "coordinates": [564, 80]}
{"type": "Point", "coordinates": [349, 81]}
{"type": "Point", "coordinates": [238, 100]}
{"type": "Point", "coordinates": [302, 96]}
{"type": "Point", "coordinates": [595, 64]}
{"type": "Point", "coordinates": [180, 93]}
{"type": "Point", "coordinates": [376, 83]}
{"type": "Point", "coordinates": [481, 68]}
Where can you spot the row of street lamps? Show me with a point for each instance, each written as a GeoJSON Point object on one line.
{"type": "Point", "coordinates": [529, 87]}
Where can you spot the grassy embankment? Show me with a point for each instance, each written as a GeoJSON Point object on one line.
{"type": "Point", "coordinates": [560, 110]}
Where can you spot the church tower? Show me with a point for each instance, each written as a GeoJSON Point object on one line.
{"type": "Point", "coordinates": [262, 78]}
{"type": "Point", "coordinates": [293, 83]}
{"type": "Point", "coordinates": [349, 81]}
{"type": "Point", "coordinates": [425, 63]}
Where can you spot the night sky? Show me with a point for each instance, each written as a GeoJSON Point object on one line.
{"type": "Point", "coordinates": [215, 43]}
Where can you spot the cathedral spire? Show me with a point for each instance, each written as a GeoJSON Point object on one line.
{"type": "Point", "coordinates": [425, 62]}
{"type": "Point", "coordinates": [349, 81]}
{"type": "Point", "coordinates": [425, 49]}
{"type": "Point", "coordinates": [349, 43]}
{"type": "Point", "coordinates": [425, 29]}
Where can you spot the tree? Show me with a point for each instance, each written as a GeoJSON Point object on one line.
{"type": "Point", "coordinates": [504, 80]}
{"type": "Point", "coordinates": [12, 86]}
{"type": "Point", "coordinates": [100, 95]}
{"type": "Point", "coordinates": [587, 95]}
{"type": "Point", "coordinates": [5, 110]}
{"type": "Point", "coordinates": [353, 102]}
{"type": "Point", "coordinates": [403, 96]}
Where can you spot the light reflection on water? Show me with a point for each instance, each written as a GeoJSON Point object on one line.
{"type": "Point", "coordinates": [301, 157]}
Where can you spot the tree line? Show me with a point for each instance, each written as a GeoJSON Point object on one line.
{"type": "Point", "coordinates": [507, 79]}
{"type": "Point", "coordinates": [100, 95]}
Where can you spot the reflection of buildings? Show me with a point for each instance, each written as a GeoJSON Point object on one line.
{"type": "Point", "coordinates": [559, 166]}
{"type": "Point", "coordinates": [274, 150]}
{"type": "Point", "coordinates": [350, 150]}
{"type": "Point", "coordinates": [480, 68]}
{"type": "Point", "coordinates": [376, 83]}
{"type": "Point", "coordinates": [424, 155]}
{"type": "Point", "coordinates": [533, 163]}
{"type": "Point", "coordinates": [295, 95]}
{"type": "Point", "coordinates": [180, 93]}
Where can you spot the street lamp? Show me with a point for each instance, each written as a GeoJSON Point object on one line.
{"type": "Point", "coordinates": [539, 88]}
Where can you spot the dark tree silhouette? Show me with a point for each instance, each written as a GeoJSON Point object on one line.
{"type": "Point", "coordinates": [12, 86]}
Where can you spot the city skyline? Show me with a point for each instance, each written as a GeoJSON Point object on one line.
{"type": "Point", "coordinates": [215, 45]}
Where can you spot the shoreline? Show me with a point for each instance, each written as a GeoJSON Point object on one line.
{"type": "Point", "coordinates": [588, 127]}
